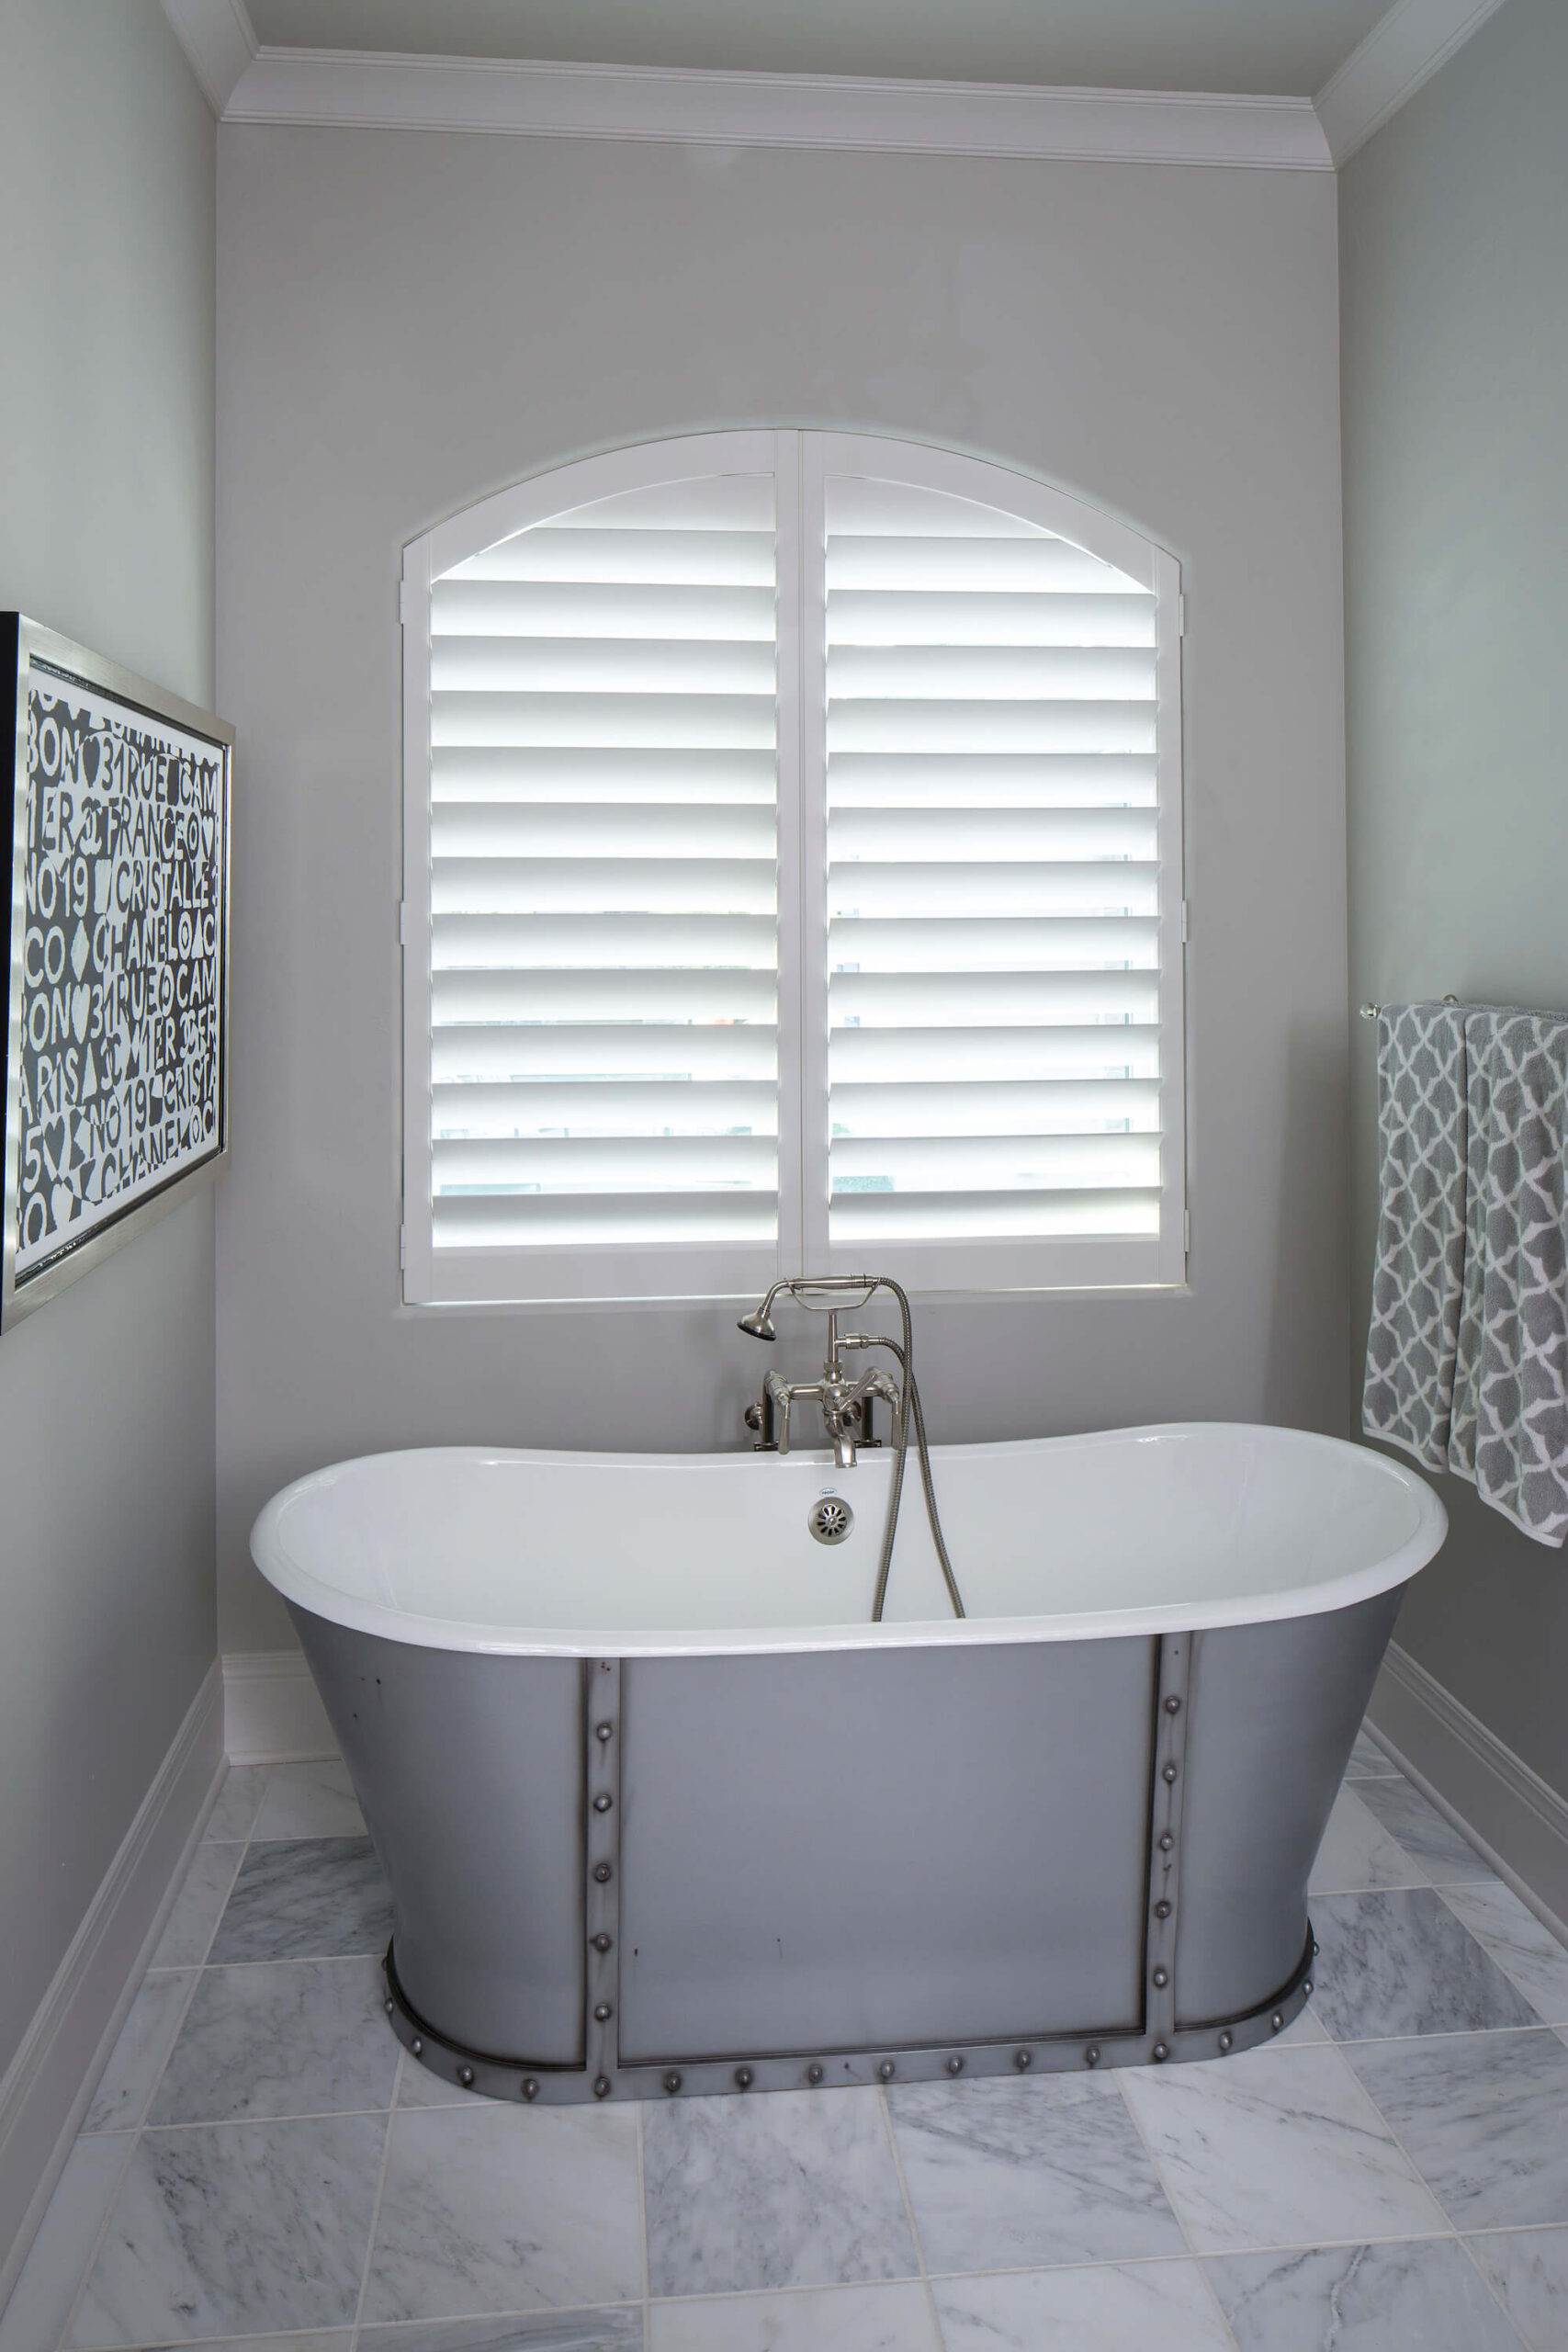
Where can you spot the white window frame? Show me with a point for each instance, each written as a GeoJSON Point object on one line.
{"type": "Point", "coordinates": [632, 1273]}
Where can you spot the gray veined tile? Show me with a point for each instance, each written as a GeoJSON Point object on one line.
{"type": "Point", "coordinates": [819, 2319]}
{"type": "Point", "coordinates": [197, 1908]}
{"type": "Point", "coordinates": [1005, 2173]}
{"type": "Point", "coordinates": [1527, 1952]}
{"type": "Point", "coordinates": [235, 1809]}
{"type": "Point", "coordinates": [286, 2038]}
{"type": "Point", "coordinates": [1424, 2295]}
{"type": "Point", "coordinates": [332, 2340]}
{"type": "Point", "coordinates": [313, 1898]}
{"type": "Point", "coordinates": [796, 2189]}
{"type": "Point", "coordinates": [1128, 2307]}
{"type": "Point", "coordinates": [1528, 2272]}
{"type": "Point", "coordinates": [240, 2230]}
{"type": "Point", "coordinates": [418, 2087]}
{"type": "Point", "coordinates": [494, 2209]}
{"type": "Point", "coordinates": [617, 2329]}
{"type": "Point", "coordinates": [309, 1801]}
{"type": "Point", "coordinates": [1402, 1964]}
{"type": "Point", "coordinates": [1368, 1761]}
{"type": "Point", "coordinates": [1485, 2117]}
{"type": "Point", "coordinates": [1274, 2148]}
{"type": "Point", "coordinates": [1358, 1853]}
{"type": "Point", "coordinates": [137, 2059]}
{"type": "Point", "coordinates": [1445, 1857]}
{"type": "Point", "coordinates": [34, 2319]}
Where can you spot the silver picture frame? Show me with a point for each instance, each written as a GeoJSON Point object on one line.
{"type": "Point", "coordinates": [138, 911]}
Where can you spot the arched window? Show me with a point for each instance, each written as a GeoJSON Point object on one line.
{"type": "Point", "coordinates": [792, 880]}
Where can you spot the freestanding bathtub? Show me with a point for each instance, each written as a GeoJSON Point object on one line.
{"type": "Point", "coordinates": [662, 1813]}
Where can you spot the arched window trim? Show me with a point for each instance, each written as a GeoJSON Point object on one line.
{"type": "Point", "coordinates": [800, 462]}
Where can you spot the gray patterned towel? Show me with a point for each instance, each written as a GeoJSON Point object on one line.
{"type": "Point", "coordinates": [1510, 1412]}
{"type": "Point", "coordinates": [1417, 1283]}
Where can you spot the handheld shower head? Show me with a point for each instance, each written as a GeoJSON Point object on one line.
{"type": "Point", "coordinates": [759, 1325]}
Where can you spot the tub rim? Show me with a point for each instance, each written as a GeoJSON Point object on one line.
{"type": "Point", "coordinates": [306, 1592]}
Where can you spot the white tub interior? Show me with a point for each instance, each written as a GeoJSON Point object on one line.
{"type": "Point", "coordinates": [1124, 1531]}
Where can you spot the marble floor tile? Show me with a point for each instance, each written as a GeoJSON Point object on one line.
{"type": "Point", "coordinates": [1358, 1853]}
{"type": "Point", "coordinates": [617, 2329]}
{"type": "Point", "coordinates": [820, 2319]}
{"type": "Point", "coordinates": [327, 2340]}
{"type": "Point", "coordinates": [235, 1809]}
{"type": "Point", "coordinates": [1402, 1964]}
{"type": "Point", "coordinates": [1425, 2295]}
{"type": "Point", "coordinates": [1524, 1950]}
{"type": "Point", "coordinates": [417, 2086]}
{"type": "Point", "coordinates": [1445, 1857]}
{"type": "Point", "coordinates": [1129, 2307]}
{"type": "Point", "coordinates": [1528, 2272]}
{"type": "Point", "coordinates": [492, 2209]}
{"type": "Point", "coordinates": [34, 2318]}
{"type": "Point", "coordinates": [308, 1801]}
{"type": "Point", "coordinates": [137, 2059]}
{"type": "Point", "coordinates": [1485, 2117]}
{"type": "Point", "coordinates": [234, 2230]}
{"type": "Point", "coordinates": [312, 1898]}
{"type": "Point", "coordinates": [795, 2189]}
{"type": "Point", "coordinates": [288, 2037]}
{"type": "Point", "coordinates": [1005, 2174]}
{"type": "Point", "coordinates": [197, 1908]}
{"type": "Point", "coordinates": [1274, 2148]}
{"type": "Point", "coordinates": [1305, 2026]}
{"type": "Point", "coordinates": [1368, 1761]}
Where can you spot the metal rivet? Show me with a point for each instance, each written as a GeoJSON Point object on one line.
{"type": "Point", "coordinates": [465, 2076]}
{"type": "Point", "coordinates": [956, 2065]}
{"type": "Point", "coordinates": [417, 2047]}
{"type": "Point", "coordinates": [602, 1872]}
{"type": "Point", "coordinates": [814, 2073]}
{"type": "Point", "coordinates": [1162, 1910]}
{"type": "Point", "coordinates": [743, 2078]}
{"type": "Point", "coordinates": [1277, 2020]}
{"type": "Point", "coordinates": [601, 1804]}
{"type": "Point", "coordinates": [1224, 2043]}
{"type": "Point", "coordinates": [1173, 1706]}
{"type": "Point", "coordinates": [1159, 2053]}
{"type": "Point", "coordinates": [600, 1941]}
{"type": "Point", "coordinates": [530, 2087]}
{"type": "Point", "coordinates": [601, 2086]}
{"type": "Point", "coordinates": [1162, 1976]}
{"type": "Point", "coordinates": [1307, 1986]}
{"type": "Point", "coordinates": [672, 2081]}
{"type": "Point", "coordinates": [887, 2070]}
{"type": "Point", "coordinates": [1168, 1774]}
{"type": "Point", "coordinates": [602, 2011]}
{"type": "Point", "coordinates": [1024, 2060]}
{"type": "Point", "coordinates": [1314, 1948]}
{"type": "Point", "coordinates": [604, 1731]}
{"type": "Point", "coordinates": [391, 2006]}
{"type": "Point", "coordinates": [1091, 2055]}
{"type": "Point", "coordinates": [1166, 1841]}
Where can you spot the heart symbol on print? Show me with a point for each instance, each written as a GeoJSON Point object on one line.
{"type": "Point", "coordinates": [80, 1005]}
{"type": "Point", "coordinates": [63, 1201]}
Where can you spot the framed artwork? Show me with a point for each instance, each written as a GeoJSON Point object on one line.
{"type": "Point", "coordinates": [117, 925]}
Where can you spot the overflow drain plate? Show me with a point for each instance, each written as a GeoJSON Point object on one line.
{"type": "Point", "coordinates": [830, 1521]}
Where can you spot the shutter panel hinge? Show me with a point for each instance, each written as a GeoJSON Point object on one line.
{"type": "Point", "coordinates": [1185, 932]}
{"type": "Point", "coordinates": [1181, 617]}
{"type": "Point", "coordinates": [403, 603]}
{"type": "Point", "coordinates": [1187, 1229]}
{"type": "Point", "coordinates": [403, 1248]}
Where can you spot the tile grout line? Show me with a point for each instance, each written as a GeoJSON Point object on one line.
{"type": "Point", "coordinates": [358, 2320]}
{"type": "Point", "coordinates": [938, 2332]}
{"type": "Point", "coordinates": [642, 2218]}
{"type": "Point", "coordinates": [1490, 2290]}
{"type": "Point", "coordinates": [1172, 2207]}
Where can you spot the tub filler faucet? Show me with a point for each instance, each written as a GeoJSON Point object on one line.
{"type": "Point", "coordinates": [845, 1404]}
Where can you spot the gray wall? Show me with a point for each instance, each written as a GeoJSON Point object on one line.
{"type": "Point", "coordinates": [406, 323]}
{"type": "Point", "coordinates": [1455, 276]}
{"type": "Point", "coordinates": [106, 532]}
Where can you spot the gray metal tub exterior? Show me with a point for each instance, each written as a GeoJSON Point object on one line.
{"type": "Point", "coordinates": [695, 1857]}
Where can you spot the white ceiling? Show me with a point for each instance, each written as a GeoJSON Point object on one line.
{"type": "Point", "coordinates": [1286, 46]}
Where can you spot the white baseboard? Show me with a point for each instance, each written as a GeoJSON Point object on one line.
{"type": "Point", "coordinates": [271, 1712]}
{"type": "Point", "coordinates": [51, 2080]}
{"type": "Point", "coordinates": [1517, 1818]}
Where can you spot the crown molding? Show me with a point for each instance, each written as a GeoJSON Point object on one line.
{"type": "Point", "coordinates": [1403, 49]}
{"type": "Point", "coordinates": [549, 100]}
{"type": "Point", "coordinates": [220, 40]}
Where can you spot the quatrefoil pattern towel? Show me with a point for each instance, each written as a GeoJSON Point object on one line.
{"type": "Point", "coordinates": [1417, 1283]}
{"type": "Point", "coordinates": [1510, 1410]}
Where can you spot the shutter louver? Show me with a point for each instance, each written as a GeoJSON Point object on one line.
{"type": "Point", "coordinates": [604, 985]}
{"type": "Point", "coordinates": [992, 886]}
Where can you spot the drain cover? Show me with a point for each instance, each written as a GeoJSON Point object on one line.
{"type": "Point", "coordinates": [830, 1519]}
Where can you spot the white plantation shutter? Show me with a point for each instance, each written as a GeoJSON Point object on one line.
{"type": "Point", "coordinates": [799, 818]}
